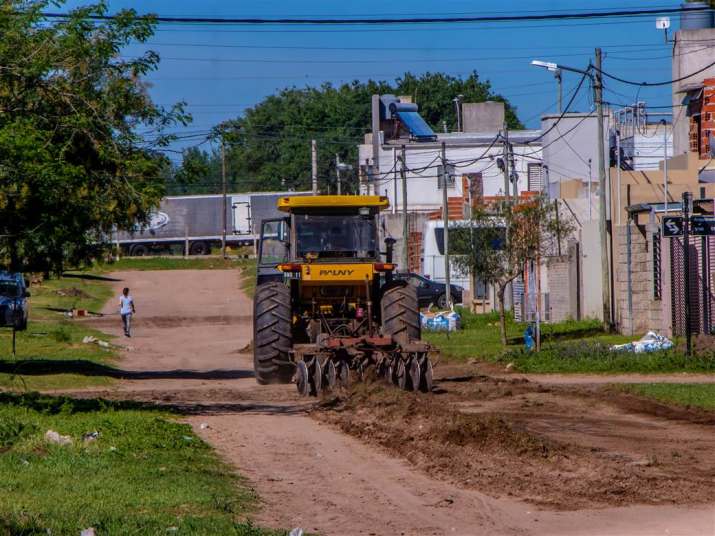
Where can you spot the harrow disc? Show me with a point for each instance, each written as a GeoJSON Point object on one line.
{"type": "Point", "coordinates": [426, 381]}
{"type": "Point", "coordinates": [344, 373]}
{"type": "Point", "coordinates": [331, 374]}
{"type": "Point", "coordinates": [302, 380]}
{"type": "Point", "coordinates": [415, 371]}
{"type": "Point", "coordinates": [402, 375]}
{"type": "Point", "coordinates": [316, 377]}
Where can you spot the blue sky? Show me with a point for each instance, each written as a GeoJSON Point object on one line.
{"type": "Point", "coordinates": [220, 70]}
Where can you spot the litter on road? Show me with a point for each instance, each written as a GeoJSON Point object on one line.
{"type": "Point", "coordinates": [441, 321]}
{"type": "Point", "coordinates": [54, 437]}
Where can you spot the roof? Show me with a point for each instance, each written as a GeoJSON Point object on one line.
{"type": "Point", "coordinates": [287, 204]}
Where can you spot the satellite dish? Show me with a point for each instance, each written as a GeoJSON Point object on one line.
{"type": "Point", "coordinates": [662, 23]}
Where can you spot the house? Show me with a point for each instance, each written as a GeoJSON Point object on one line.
{"type": "Point", "coordinates": [482, 160]}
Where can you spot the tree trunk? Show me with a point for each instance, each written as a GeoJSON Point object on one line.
{"type": "Point", "coordinates": [502, 313]}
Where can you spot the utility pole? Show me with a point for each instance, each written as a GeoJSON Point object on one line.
{"type": "Point", "coordinates": [337, 170]}
{"type": "Point", "coordinates": [314, 162]}
{"type": "Point", "coordinates": [590, 190]}
{"type": "Point", "coordinates": [445, 218]}
{"type": "Point", "coordinates": [506, 163]}
{"type": "Point", "coordinates": [665, 163]}
{"type": "Point", "coordinates": [619, 208]}
{"type": "Point", "coordinates": [405, 223]}
{"type": "Point", "coordinates": [559, 82]}
{"type": "Point", "coordinates": [603, 229]}
{"type": "Point", "coordinates": [458, 105]}
{"type": "Point", "coordinates": [225, 199]}
{"type": "Point", "coordinates": [394, 180]}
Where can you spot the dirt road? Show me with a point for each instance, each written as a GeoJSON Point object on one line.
{"type": "Point", "coordinates": [190, 328]}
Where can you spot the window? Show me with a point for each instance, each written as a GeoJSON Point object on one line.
{"type": "Point", "coordinates": [9, 289]}
{"type": "Point", "coordinates": [451, 179]}
{"type": "Point", "coordinates": [657, 285]}
{"type": "Point", "coordinates": [334, 236]}
{"type": "Point", "coordinates": [274, 243]}
{"type": "Point", "coordinates": [535, 173]}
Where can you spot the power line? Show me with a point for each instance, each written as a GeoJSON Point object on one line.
{"type": "Point", "coordinates": [655, 84]}
{"type": "Point", "coordinates": [391, 20]}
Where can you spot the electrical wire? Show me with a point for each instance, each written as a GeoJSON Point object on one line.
{"type": "Point", "coordinates": [390, 21]}
{"type": "Point", "coordinates": [653, 84]}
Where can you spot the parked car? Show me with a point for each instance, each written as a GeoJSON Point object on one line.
{"type": "Point", "coordinates": [13, 300]}
{"type": "Point", "coordinates": [431, 292]}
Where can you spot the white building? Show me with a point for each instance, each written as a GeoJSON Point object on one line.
{"type": "Point", "coordinates": [474, 159]}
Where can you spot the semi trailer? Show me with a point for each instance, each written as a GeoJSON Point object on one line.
{"type": "Point", "coordinates": [193, 224]}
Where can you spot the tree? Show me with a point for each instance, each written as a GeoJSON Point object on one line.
{"type": "Point", "coordinates": [503, 237]}
{"type": "Point", "coordinates": [268, 147]}
{"type": "Point", "coordinates": [73, 166]}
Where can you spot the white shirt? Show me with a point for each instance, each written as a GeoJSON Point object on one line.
{"type": "Point", "coordinates": [125, 304]}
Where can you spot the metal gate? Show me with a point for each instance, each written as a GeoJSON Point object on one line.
{"type": "Point", "coordinates": [701, 251]}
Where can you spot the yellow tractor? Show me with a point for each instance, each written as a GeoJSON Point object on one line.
{"type": "Point", "coordinates": [326, 307]}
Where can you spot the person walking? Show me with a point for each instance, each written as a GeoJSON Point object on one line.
{"type": "Point", "coordinates": [126, 309]}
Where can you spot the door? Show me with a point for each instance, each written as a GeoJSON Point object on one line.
{"type": "Point", "coordinates": [273, 249]}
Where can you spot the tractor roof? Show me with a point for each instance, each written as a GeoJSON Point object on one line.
{"type": "Point", "coordinates": [332, 202]}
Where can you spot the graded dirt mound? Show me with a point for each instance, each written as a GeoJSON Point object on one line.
{"type": "Point", "coordinates": [515, 438]}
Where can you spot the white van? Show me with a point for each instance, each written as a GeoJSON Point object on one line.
{"type": "Point", "coordinates": [433, 255]}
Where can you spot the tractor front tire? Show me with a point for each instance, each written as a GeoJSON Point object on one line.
{"type": "Point", "coordinates": [401, 314]}
{"type": "Point", "coordinates": [272, 339]}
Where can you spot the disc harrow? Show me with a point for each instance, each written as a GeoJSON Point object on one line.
{"type": "Point", "coordinates": [327, 365]}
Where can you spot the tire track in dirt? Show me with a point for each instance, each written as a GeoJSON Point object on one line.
{"type": "Point", "coordinates": [310, 474]}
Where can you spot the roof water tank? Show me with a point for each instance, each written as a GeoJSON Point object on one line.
{"type": "Point", "coordinates": [696, 17]}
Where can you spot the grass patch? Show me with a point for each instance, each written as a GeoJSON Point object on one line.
{"type": "Point", "coordinates": [479, 337]}
{"type": "Point", "coordinates": [699, 395]}
{"type": "Point", "coordinates": [595, 357]}
{"type": "Point", "coordinates": [567, 347]}
{"type": "Point", "coordinates": [51, 337]}
{"type": "Point", "coordinates": [248, 277]}
{"type": "Point", "coordinates": [144, 474]}
{"type": "Point", "coordinates": [168, 263]}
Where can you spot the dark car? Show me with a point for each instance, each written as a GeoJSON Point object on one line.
{"type": "Point", "coordinates": [13, 301]}
{"type": "Point", "coordinates": [431, 292]}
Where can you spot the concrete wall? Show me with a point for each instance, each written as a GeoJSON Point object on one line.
{"type": "Point", "coordinates": [562, 274]}
{"type": "Point", "coordinates": [566, 152]}
{"type": "Point", "coordinates": [693, 50]}
{"type": "Point", "coordinates": [482, 116]}
{"type": "Point", "coordinates": [591, 287]}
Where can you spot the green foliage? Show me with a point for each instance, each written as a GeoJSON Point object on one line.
{"type": "Point", "coordinates": [74, 165]}
{"type": "Point", "coordinates": [592, 356]}
{"type": "Point", "coordinates": [143, 474]}
{"type": "Point", "coordinates": [698, 395]}
{"type": "Point", "coordinates": [61, 333]}
{"type": "Point", "coordinates": [268, 148]}
{"type": "Point", "coordinates": [500, 239]}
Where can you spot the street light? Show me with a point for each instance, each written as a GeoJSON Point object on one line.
{"type": "Point", "coordinates": [340, 166]}
{"type": "Point", "coordinates": [556, 69]}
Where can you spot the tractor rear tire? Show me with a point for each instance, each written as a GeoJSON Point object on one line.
{"type": "Point", "coordinates": [272, 339]}
{"type": "Point", "coordinates": [401, 314]}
